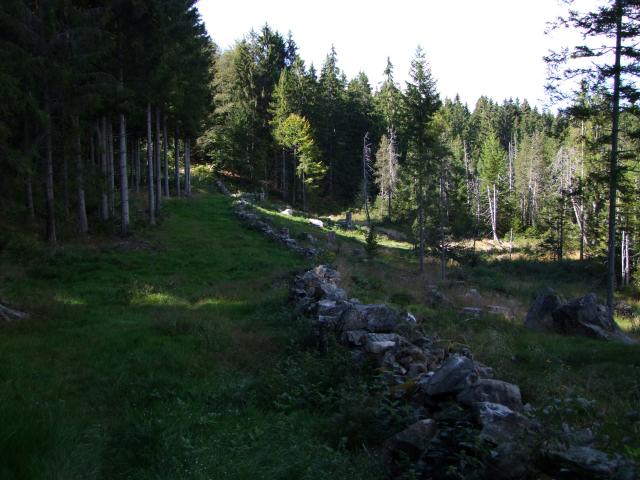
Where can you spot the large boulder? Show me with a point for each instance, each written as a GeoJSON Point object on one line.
{"type": "Point", "coordinates": [456, 374]}
{"type": "Point", "coordinates": [584, 316]}
{"type": "Point", "coordinates": [587, 317]}
{"type": "Point", "coordinates": [539, 315]}
{"type": "Point", "coordinates": [494, 391]}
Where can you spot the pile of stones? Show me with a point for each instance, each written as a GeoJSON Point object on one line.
{"type": "Point", "coordinates": [248, 215]}
{"type": "Point", "coordinates": [461, 408]}
{"type": "Point", "coordinates": [222, 188]}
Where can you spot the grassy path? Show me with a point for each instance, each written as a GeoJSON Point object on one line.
{"type": "Point", "coordinates": [159, 357]}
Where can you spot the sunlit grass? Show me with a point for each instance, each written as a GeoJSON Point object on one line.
{"type": "Point", "coordinates": [144, 358]}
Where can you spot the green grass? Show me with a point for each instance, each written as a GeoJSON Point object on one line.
{"type": "Point", "coordinates": [163, 356]}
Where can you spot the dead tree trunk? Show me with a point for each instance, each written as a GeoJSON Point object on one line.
{"type": "Point", "coordinates": [493, 212]}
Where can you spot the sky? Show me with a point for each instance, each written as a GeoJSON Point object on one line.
{"type": "Point", "coordinates": [474, 47]}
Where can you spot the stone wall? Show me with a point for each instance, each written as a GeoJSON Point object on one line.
{"type": "Point", "coordinates": [503, 436]}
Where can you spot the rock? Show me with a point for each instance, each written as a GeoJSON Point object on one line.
{"type": "Point", "coordinates": [329, 311]}
{"type": "Point", "coordinates": [624, 310]}
{"type": "Point", "coordinates": [287, 211]}
{"type": "Point", "coordinates": [410, 317]}
{"type": "Point", "coordinates": [510, 461]}
{"type": "Point", "coordinates": [410, 354]}
{"type": "Point", "coordinates": [587, 317]}
{"type": "Point", "coordinates": [474, 312]}
{"type": "Point", "coordinates": [435, 298]}
{"type": "Point", "coordinates": [585, 463]}
{"type": "Point", "coordinates": [377, 318]}
{"type": "Point", "coordinates": [309, 238]}
{"type": "Point", "coordinates": [415, 370]}
{"type": "Point", "coordinates": [473, 295]}
{"type": "Point", "coordinates": [451, 378]}
{"type": "Point", "coordinates": [222, 188]}
{"type": "Point", "coordinates": [510, 435]}
{"type": "Point", "coordinates": [413, 441]}
{"type": "Point", "coordinates": [500, 311]}
{"type": "Point", "coordinates": [483, 370]}
{"type": "Point", "coordinates": [494, 391]}
{"type": "Point", "coordinates": [539, 315]}
{"type": "Point", "coordinates": [355, 338]}
{"type": "Point", "coordinates": [499, 423]}
{"type": "Point", "coordinates": [378, 343]}
{"type": "Point", "coordinates": [316, 222]}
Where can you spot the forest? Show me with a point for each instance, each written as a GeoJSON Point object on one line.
{"type": "Point", "coordinates": [120, 121]}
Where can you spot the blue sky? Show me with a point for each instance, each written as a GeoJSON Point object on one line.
{"type": "Point", "coordinates": [475, 47]}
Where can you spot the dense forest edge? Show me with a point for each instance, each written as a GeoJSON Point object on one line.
{"type": "Point", "coordinates": [146, 333]}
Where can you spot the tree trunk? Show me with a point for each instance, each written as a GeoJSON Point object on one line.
{"type": "Point", "coordinates": [304, 193]}
{"type": "Point", "coordinates": [284, 174]}
{"type": "Point", "coordinates": [365, 192]}
{"type": "Point", "coordinates": [111, 169]}
{"type": "Point", "coordinates": [102, 143]}
{"type": "Point", "coordinates": [176, 145]}
{"type": "Point", "coordinates": [613, 166]}
{"type": "Point", "coordinates": [124, 186]}
{"type": "Point", "coordinates": [150, 168]}
{"type": "Point", "coordinates": [493, 212]}
{"type": "Point", "coordinates": [136, 149]}
{"type": "Point", "coordinates": [50, 199]}
{"type": "Point", "coordinates": [83, 224]}
{"type": "Point", "coordinates": [65, 185]}
{"type": "Point", "coordinates": [158, 163]}
{"type": "Point", "coordinates": [29, 197]}
{"type": "Point", "coordinates": [624, 258]}
{"type": "Point", "coordinates": [29, 180]}
{"type": "Point", "coordinates": [581, 220]}
{"type": "Point", "coordinates": [443, 246]}
{"type": "Point", "coordinates": [421, 224]}
{"type": "Point", "coordinates": [187, 167]}
{"type": "Point", "coordinates": [165, 150]}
